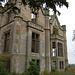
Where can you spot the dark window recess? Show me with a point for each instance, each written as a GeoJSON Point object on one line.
{"type": "Point", "coordinates": [7, 41]}
{"type": "Point", "coordinates": [35, 43]}
{"type": "Point", "coordinates": [61, 64]}
{"type": "Point", "coordinates": [53, 48]}
{"type": "Point", "coordinates": [60, 49]}
{"type": "Point", "coordinates": [53, 44]}
{"type": "Point", "coordinates": [37, 62]}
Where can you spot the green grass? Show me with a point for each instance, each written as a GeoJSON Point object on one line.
{"type": "Point", "coordinates": [70, 71]}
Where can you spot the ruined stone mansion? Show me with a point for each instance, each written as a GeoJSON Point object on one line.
{"type": "Point", "coordinates": [31, 35]}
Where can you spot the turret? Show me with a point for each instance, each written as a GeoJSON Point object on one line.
{"type": "Point", "coordinates": [65, 45]}
{"type": "Point", "coordinates": [64, 27]}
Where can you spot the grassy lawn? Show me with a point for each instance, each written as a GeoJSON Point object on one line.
{"type": "Point", "coordinates": [70, 71]}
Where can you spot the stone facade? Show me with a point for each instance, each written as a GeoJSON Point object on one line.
{"type": "Point", "coordinates": [28, 35]}
{"type": "Point", "coordinates": [58, 44]}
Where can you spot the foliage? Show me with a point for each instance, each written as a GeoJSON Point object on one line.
{"type": "Point", "coordinates": [3, 71]}
{"type": "Point", "coordinates": [37, 4]}
{"type": "Point", "coordinates": [33, 69]}
{"type": "Point", "coordinates": [49, 4]}
{"type": "Point", "coordinates": [66, 68]}
{"type": "Point", "coordinates": [70, 71]}
{"type": "Point", "coordinates": [1, 68]}
{"type": "Point", "coordinates": [53, 69]}
{"type": "Point", "coordinates": [55, 30]}
{"type": "Point", "coordinates": [2, 0]}
{"type": "Point", "coordinates": [16, 74]}
{"type": "Point", "coordinates": [45, 72]}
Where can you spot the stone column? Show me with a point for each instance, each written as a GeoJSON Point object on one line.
{"type": "Point", "coordinates": [42, 52]}
{"type": "Point", "coordinates": [29, 45]}
{"type": "Point", "coordinates": [47, 42]}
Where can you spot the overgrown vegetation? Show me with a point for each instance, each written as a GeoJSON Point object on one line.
{"type": "Point", "coordinates": [32, 69]}
{"type": "Point", "coordinates": [53, 69]}
{"type": "Point", "coordinates": [55, 30]}
{"type": "Point", "coordinates": [3, 71]}
{"type": "Point", "coordinates": [66, 68]}
{"type": "Point", "coordinates": [4, 57]}
{"type": "Point", "coordinates": [45, 72]}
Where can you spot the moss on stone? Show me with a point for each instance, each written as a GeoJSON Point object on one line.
{"type": "Point", "coordinates": [55, 31]}
{"type": "Point", "coordinates": [4, 57]}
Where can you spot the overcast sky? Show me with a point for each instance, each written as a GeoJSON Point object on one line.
{"type": "Point", "coordinates": [67, 18]}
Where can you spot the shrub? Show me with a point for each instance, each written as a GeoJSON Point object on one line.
{"type": "Point", "coordinates": [66, 68]}
{"type": "Point", "coordinates": [33, 69]}
{"type": "Point", "coordinates": [1, 68]}
{"type": "Point", "coordinates": [3, 71]}
{"type": "Point", "coordinates": [45, 72]}
{"type": "Point", "coordinates": [53, 69]}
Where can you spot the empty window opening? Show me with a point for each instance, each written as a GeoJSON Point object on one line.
{"type": "Point", "coordinates": [53, 48]}
{"type": "Point", "coordinates": [61, 64]}
{"type": "Point", "coordinates": [60, 49]}
{"type": "Point", "coordinates": [33, 17]}
{"type": "Point", "coordinates": [54, 64]}
{"type": "Point", "coordinates": [35, 43]}
{"type": "Point", "coordinates": [7, 41]}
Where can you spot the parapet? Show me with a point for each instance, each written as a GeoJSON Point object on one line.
{"type": "Point", "coordinates": [45, 11]}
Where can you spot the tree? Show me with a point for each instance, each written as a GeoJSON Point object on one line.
{"type": "Point", "coordinates": [37, 4]}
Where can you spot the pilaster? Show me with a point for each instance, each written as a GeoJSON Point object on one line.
{"type": "Point", "coordinates": [42, 52]}
{"type": "Point", "coordinates": [47, 42]}
{"type": "Point", "coordinates": [29, 43]}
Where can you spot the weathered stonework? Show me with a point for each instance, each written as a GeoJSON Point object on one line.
{"type": "Point", "coordinates": [21, 30]}
{"type": "Point", "coordinates": [58, 38]}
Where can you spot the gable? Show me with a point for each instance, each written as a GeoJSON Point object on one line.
{"type": "Point", "coordinates": [55, 25]}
